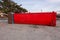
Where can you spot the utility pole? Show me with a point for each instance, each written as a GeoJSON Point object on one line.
{"type": "Point", "coordinates": [41, 10]}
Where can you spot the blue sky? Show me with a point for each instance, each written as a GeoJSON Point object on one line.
{"type": "Point", "coordinates": [38, 5]}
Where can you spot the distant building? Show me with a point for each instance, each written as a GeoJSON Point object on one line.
{"type": "Point", "coordinates": [58, 12]}
{"type": "Point", "coordinates": [1, 14]}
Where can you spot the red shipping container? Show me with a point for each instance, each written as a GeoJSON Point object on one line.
{"type": "Point", "coordinates": [42, 18]}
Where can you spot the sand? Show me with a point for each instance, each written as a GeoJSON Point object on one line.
{"type": "Point", "coordinates": [28, 32]}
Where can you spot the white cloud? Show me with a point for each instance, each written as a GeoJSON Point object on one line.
{"type": "Point", "coordinates": [37, 5]}
{"type": "Point", "coordinates": [53, 1]}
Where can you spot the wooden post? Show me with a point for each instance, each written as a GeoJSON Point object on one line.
{"type": "Point", "coordinates": [9, 18]}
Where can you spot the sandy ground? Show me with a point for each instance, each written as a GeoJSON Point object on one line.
{"type": "Point", "coordinates": [28, 32]}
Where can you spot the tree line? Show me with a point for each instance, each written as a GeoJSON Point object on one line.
{"type": "Point", "coordinates": [10, 6]}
